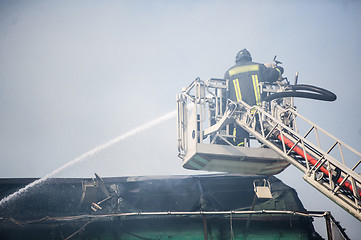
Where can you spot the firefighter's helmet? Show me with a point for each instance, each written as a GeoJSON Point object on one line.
{"type": "Point", "coordinates": [243, 55]}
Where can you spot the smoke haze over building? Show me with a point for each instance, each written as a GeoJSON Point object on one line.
{"type": "Point", "coordinates": [74, 75]}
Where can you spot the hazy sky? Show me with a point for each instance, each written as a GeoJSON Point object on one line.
{"type": "Point", "coordinates": [76, 74]}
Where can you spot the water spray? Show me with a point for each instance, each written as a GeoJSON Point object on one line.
{"type": "Point", "coordinates": [90, 153]}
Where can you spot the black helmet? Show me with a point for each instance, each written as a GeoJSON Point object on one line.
{"type": "Point", "coordinates": [243, 55]}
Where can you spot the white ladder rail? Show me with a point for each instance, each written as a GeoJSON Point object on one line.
{"type": "Point", "coordinates": [348, 198]}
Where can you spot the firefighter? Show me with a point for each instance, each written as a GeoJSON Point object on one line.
{"type": "Point", "coordinates": [243, 79]}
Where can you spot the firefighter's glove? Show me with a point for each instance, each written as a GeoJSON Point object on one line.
{"type": "Point", "coordinates": [270, 65]}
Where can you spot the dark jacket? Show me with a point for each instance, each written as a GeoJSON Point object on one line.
{"type": "Point", "coordinates": [244, 78]}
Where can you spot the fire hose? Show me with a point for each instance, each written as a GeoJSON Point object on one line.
{"type": "Point", "coordinates": [312, 92]}
{"type": "Point", "coordinates": [340, 180]}
{"type": "Point", "coordinates": [304, 91]}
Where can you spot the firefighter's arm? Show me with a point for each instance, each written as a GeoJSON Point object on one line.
{"type": "Point", "coordinates": [271, 74]}
{"type": "Point", "coordinates": [280, 70]}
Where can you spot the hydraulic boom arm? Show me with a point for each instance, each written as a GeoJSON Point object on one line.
{"type": "Point", "coordinates": [205, 139]}
{"type": "Point", "coordinates": [326, 170]}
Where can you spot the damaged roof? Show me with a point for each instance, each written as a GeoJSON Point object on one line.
{"type": "Point", "coordinates": [152, 207]}
{"type": "Point", "coordinates": [220, 192]}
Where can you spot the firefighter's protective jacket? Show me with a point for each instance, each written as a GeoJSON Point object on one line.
{"type": "Point", "coordinates": [244, 78]}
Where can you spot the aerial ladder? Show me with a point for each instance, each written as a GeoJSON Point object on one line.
{"type": "Point", "coordinates": [276, 139]}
